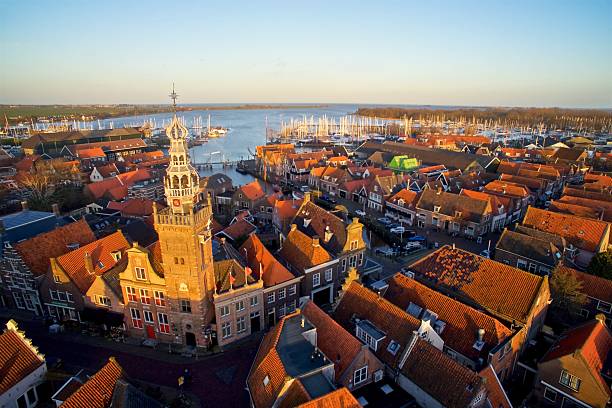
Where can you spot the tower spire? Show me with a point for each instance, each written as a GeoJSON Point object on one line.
{"type": "Point", "coordinates": [173, 95]}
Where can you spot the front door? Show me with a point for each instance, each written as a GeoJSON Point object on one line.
{"type": "Point", "coordinates": [190, 339]}
{"type": "Point", "coordinates": [150, 332]}
{"type": "Point", "coordinates": [271, 318]}
{"type": "Point", "coordinates": [255, 323]}
{"type": "Point", "coordinates": [322, 297]}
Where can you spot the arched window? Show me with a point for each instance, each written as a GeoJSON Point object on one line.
{"type": "Point", "coordinates": [175, 182]}
{"type": "Point", "coordinates": [184, 182]}
{"type": "Point", "coordinates": [182, 261]}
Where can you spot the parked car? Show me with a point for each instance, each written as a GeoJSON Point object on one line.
{"type": "Point", "coordinates": [385, 251]}
{"type": "Point", "coordinates": [360, 213]}
{"type": "Point", "coordinates": [304, 189]}
{"type": "Point", "coordinates": [397, 230]}
{"type": "Point", "coordinates": [412, 245]}
{"type": "Point", "coordinates": [329, 199]}
{"type": "Point", "coordinates": [417, 238]}
{"type": "Point", "coordinates": [384, 221]}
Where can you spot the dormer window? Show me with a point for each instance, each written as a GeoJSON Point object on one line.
{"type": "Point", "coordinates": [116, 255]}
{"type": "Point", "coordinates": [369, 334]}
{"type": "Point", "coordinates": [140, 273]}
{"type": "Point", "coordinates": [436, 208]}
{"type": "Point", "coordinates": [570, 381]}
{"type": "Point", "coordinates": [457, 214]}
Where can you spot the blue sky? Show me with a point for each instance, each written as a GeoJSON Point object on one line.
{"type": "Point", "coordinates": [510, 53]}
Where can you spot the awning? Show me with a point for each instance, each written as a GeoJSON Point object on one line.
{"type": "Point", "coordinates": [102, 316]}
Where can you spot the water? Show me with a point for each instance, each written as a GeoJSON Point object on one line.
{"type": "Point", "coordinates": [247, 127]}
{"type": "Point", "coordinates": [248, 130]}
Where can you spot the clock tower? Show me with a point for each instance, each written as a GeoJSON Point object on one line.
{"type": "Point", "coordinates": [185, 243]}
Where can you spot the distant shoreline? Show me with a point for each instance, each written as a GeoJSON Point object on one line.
{"type": "Point", "coordinates": [26, 113]}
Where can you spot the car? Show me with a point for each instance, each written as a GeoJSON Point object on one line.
{"type": "Point", "coordinates": [304, 189]}
{"type": "Point", "coordinates": [397, 230]}
{"type": "Point", "coordinates": [360, 213]}
{"type": "Point", "coordinates": [394, 225]}
{"type": "Point", "coordinates": [384, 221]}
{"type": "Point", "coordinates": [386, 251]}
{"type": "Point", "coordinates": [485, 253]}
{"type": "Point", "coordinates": [417, 238]}
{"type": "Point", "coordinates": [412, 245]}
{"type": "Point", "coordinates": [329, 199]}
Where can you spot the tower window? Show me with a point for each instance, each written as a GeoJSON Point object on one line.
{"type": "Point", "coordinates": [185, 306]}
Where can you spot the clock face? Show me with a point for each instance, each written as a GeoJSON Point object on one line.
{"type": "Point", "coordinates": [176, 202]}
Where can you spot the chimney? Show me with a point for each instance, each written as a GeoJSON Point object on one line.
{"type": "Point", "coordinates": [293, 227]}
{"type": "Point", "coordinates": [601, 318]}
{"type": "Point", "coordinates": [24, 206]}
{"type": "Point", "coordinates": [56, 209]}
{"type": "Point", "coordinates": [306, 197]}
{"type": "Point", "coordinates": [315, 241]}
{"type": "Point", "coordinates": [89, 266]}
{"type": "Point", "coordinates": [481, 333]}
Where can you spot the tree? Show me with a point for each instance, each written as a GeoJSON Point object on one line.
{"type": "Point", "coordinates": [601, 265]}
{"type": "Point", "coordinates": [567, 295]}
{"type": "Point", "coordinates": [40, 187]}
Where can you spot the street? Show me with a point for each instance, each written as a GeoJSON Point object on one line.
{"type": "Point", "coordinates": [217, 380]}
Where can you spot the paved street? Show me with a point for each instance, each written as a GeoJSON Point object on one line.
{"type": "Point", "coordinates": [216, 380]}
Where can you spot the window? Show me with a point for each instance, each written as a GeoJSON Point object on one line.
{"type": "Point", "coordinates": [160, 298]}
{"type": "Point", "coordinates": [366, 338]}
{"type": "Point", "coordinates": [254, 301]}
{"type": "Point", "coordinates": [266, 380]}
{"type": "Point", "coordinates": [353, 261]}
{"type": "Point", "coordinates": [69, 297]}
{"type": "Point", "coordinates": [344, 265]}
{"type": "Point", "coordinates": [29, 399]}
{"type": "Point", "coordinates": [604, 306]}
{"type": "Point", "coordinates": [131, 294]}
{"type": "Point", "coordinates": [240, 305]}
{"type": "Point", "coordinates": [271, 297]}
{"type": "Point", "coordinates": [53, 294]}
{"type": "Point", "coordinates": [520, 263]}
{"type": "Point", "coordinates": [224, 310]}
{"type": "Point", "coordinates": [550, 394]}
{"type": "Point", "coordinates": [291, 306]}
{"type": "Point", "coordinates": [144, 297]}
{"type": "Point", "coordinates": [148, 316]}
{"type": "Point", "coordinates": [570, 381]}
{"type": "Point", "coordinates": [281, 293]}
{"type": "Point", "coordinates": [164, 326]}
{"type": "Point", "coordinates": [19, 299]}
{"type": "Point", "coordinates": [226, 330]}
{"type": "Point", "coordinates": [240, 325]}
{"type": "Point", "coordinates": [102, 300]}
{"type": "Point", "coordinates": [329, 274]}
{"type": "Point", "coordinates": [316, 280]}
{"type": "Point", "coordinates": [185, 306]}
{"type": "Point", "coordinates": [360, 375]}
{"type": "Point", "coordinates": [56, 279]}
{"type": "Point", "coordinates": [282, 311]}
{"type": "Point", "coordinates": [292, 290]}
{"type": "Point", "coordinates": [354, 244]}
{"type": "Point", "coordinates": [361, 258]}
{"type": "Point", "coordinates": [532, 267]}
{"type": "Point", "coordinates": [436, 208]}
{"type": "Point", "coordinates": [140, 274]}
{"type": "Point", "coordinates": [61, 296]}
{"type": "Point", "coordinates": [393, 347]}
{"type": "Point", "coordinates": [136, 320]}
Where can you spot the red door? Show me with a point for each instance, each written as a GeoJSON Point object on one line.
{"type": "Point", "coordinates": [150, 332]}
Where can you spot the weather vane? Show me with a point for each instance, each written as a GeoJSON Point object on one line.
{"type": "Point", "coordinates": [173, 96]}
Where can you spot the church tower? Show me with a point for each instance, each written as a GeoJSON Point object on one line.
{"type": "Point", "coordinates": [185, 242]}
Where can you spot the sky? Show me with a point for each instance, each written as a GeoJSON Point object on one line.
{"type": "Point", "coordinates": [472, 53]}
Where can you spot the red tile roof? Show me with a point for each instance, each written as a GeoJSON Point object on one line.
{"type": "Point", "coordinates": [111, 145]}
{"type": "Point", "coordinates": [259, 258]}
{"type": "Point", "coordinates": [286, 209]}
{"type": "Point", "coordinates": [574, 209]}
{"type": "Point", "coordinates": [502, 289]}
{"type": "Point", "coordinates": [592, 286]}
{"type": "Point", "coordinates": [341, 398]}
{"type": "Point", "coordinates": [267, 364]}
{"type": "Point", "coordinates": [73, 263]}
{"type": "Point", "coordinates": [134, 207]}
{"type": "Point", "coordinates": [90, 153]}
{"type": "Point", "coordinates": [314, 220]}
{"type": "Point", "coordinates": [583, 233]}
{"type": "Point", "coordinates": [295, 395]}
{"type": "Point", "coordinates": [360, 302]}
{"type": "Point", "coordinates": [591, 195]}
{"type": "Point", "coordinates": [253, 191]}
{"type": "Point", "coordinates": [462, 321]}
{"type": "Point", "coordinates": [36, 251]}
{"type": "Point", "coordinates": [117, 187]}
{"type": "Point", "coordinates": [532, 183]}
{"type": "Point", "coordinates": [335, 342]}
{"type": "Point", "coordinates": [601, 206]}
{"type": "Point", "coordinates": [17, 358]}
{"type": "Point", "coordinates": [303, 252]}
{"type": "Point", "coordinates": [241, 228]}
{"type": "Point", "coordinates": [97, 392]}
{"type": "Point", "coordinates": [444, 379]}
{"type": "Point", "coordinates": [109, 170]}
{"type": "Point", "coordinates": [499, 205]}
{"type": "Point", "coordinates": [408, 198]}
{"type": "Point", "coordinates": [591, 342]}
{"type": "Point", "coordinates": [507, 188]}
{"type": "Point", "coordinates": [495, 391]}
